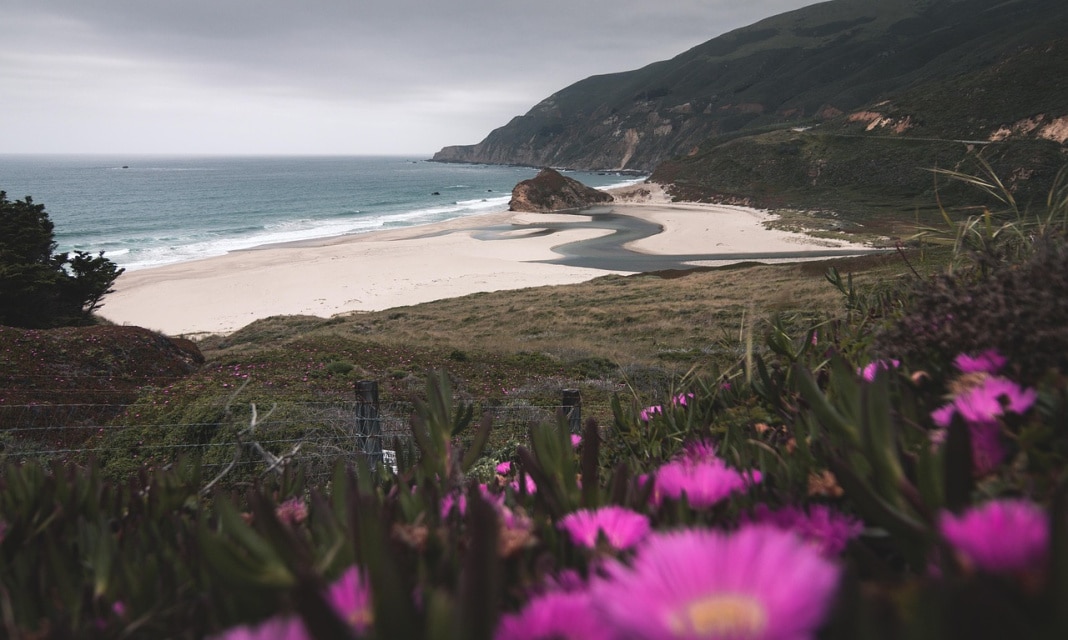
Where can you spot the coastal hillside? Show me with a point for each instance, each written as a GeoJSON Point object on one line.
{"type": "Point", "coordinates": [1006, 122]}
{"type": "Point", "coordinates": [942, 70]}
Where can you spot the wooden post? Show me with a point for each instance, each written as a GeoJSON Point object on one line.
{"type": "Point", "coordinates": [368, 422]}
{"type": "Point", "coordinates": [571, 404]}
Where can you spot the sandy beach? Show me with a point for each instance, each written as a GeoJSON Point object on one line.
{"type": "Point", "coordinates": [491, 252]}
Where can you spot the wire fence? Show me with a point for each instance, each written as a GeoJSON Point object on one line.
{"type": "Point", "coordinates": [244, 442]}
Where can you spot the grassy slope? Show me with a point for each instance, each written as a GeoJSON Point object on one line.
{"type": "Point", "coordinates": [882, 173]}
{"type": "Point", "coordinates": [880, 181]}
{"type": "Point", "coordinates": [612, 328]}
{"type": "Point", "coordinates": [785, 70]}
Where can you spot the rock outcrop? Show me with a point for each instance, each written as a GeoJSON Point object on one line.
{"type": "Point", "coordinates": [549, 191]}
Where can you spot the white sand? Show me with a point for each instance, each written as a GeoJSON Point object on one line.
{"type": "Point", "coordinates": [382, 270]}
{"type": "Point", "coordinates": [707, 228]}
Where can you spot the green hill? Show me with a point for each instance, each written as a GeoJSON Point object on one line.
{"type": "Point", "coordinates": [941, 70]}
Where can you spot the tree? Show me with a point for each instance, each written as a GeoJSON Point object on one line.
{"type": "Point", "coordinates": [40, 288]}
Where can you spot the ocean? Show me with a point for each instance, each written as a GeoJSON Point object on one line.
{"type": "Point", "coordinates": [146, 211]}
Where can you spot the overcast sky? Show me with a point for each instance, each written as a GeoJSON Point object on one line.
{"type": "Point", "coordinates": [317, 76]}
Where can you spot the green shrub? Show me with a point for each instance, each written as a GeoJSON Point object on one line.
{"type": "Point", "coordinates": [340, 368]}
{"type": "Point", "coordinates": [1020, 309]}
{"type": "Point", "coordinates": [40, 289]}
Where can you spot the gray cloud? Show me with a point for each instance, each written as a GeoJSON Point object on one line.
{"type": "Point", "coordinates": [317, 76]}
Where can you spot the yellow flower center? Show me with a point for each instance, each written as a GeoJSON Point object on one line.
{"type": "Point", "coordinates": [721, 615]}
{"type": "Point", "coordinates": [361, 618]}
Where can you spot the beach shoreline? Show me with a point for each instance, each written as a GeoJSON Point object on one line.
{"type": "Point", "coordinates": [400, 267]}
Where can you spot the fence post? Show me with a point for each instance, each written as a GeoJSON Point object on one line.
{"type": "Point", "coordinates": [571, 403]}
{"type": "Point", "coordinates": [368, 422]}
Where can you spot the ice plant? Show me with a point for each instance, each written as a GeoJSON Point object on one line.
{"type": "Point", "coordinates": [556, 615]}
{"type": "Point", "coordinates": [699, 451]}
{"type": "Point", "coordinates": [528, 483]}
{"type": "Point", "coordinates": [276, 628]}
{"type": "Point", "coordinates": [680, 400]}
{"type": "Point", "coordinates": [1000, 536]}
{"type": "Point", "coordinates": [350, 595]}
{"type": "Point", "coordinates": [450, 501]}
{"type": "Point", "coordinates": [980, 406]}
{"type": "Point", "coordinates": [458, 500]}
{"type": "Point", "coordinates": [292, 511]}
{"type": "Point", "coordinates": [704, 483]}
{"type": "Point", "coordinates": [986, 401]}
{"type": "Point", "coordinates": [872, 368]}
{"type": "Point", "coordinates": [989, 361]}
{"type": "Point", "coordinates": [504, 468]}
{"type": "Point", "coordinates": [826, 529]}
{"type": "Point", "coordinates": [758, 582]}
{"type": "Point", "coordinates": [647, 413]}
{"type": "Point", "coordinates": [622, 528]}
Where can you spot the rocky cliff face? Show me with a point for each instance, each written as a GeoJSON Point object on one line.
{"type": "Point", "coordinates": [802, 68]}
{"type": "Point", "coordinates": [549, 191]}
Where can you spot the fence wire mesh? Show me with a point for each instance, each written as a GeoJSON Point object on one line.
{"type": "Point", "coordinates": [246, 441]}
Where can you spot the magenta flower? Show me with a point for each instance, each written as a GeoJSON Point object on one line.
{"type": "Point", "coordinates": [828, 530]}
{"type": "Point", "coordinates": [458, 500]}
{"type": "Point", "coordinates": [989, 361]}
{"type": "Point", "coordinates": [528, 483]}
{"type": "Point", "coordinates": [576, 440]}
{"type": "Point", "coordinates": [758, 582]}
{"type": "Point", "coordinates": [943, 415]}
{"type": "Point", "coordinates": [450, 501]}
{"type": "Point", "coordinates": [292, 511]}
{"type": "Point", "coordinates": [682, 399]}
{"type": "Point", "coordinates": [980, 407]}
{"type": "Point", "coordinates": [872, 368]}
{"type": "Point", "coordinates": [622, 528]}
{"type": "Point", "coordinates": [556, 615]}
{"type": "Point", "coordinates": [647, 413]}
{"type": "Point", "coordinates": [994, 397]}
{"type": "Point", "coordinates": [350, 595]}
{"type": "Point", "coordinates": [699, 451]}
{"type": "Point", "coordinates": [504, 468]}
{"type": "Point", "coordinates": [703, 483]}
{"type": "Point", "coordinates": [985, 402]}
{"type": "Point", "coordinates": [1000, 536]}
{"type": "Point", "coordinates": [276, 628]}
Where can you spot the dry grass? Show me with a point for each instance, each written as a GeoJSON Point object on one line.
{"type": "Point", "coordinates": [672, 319]}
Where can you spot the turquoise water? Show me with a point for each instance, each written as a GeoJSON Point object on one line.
{"type": "Point", "coordinates": [147, 211]}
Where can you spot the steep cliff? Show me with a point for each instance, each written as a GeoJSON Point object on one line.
{"type": "Point", "coordinates": [801, 68]}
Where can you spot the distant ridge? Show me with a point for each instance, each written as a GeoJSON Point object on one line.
{"type": "Point", "coordinates": [937, 69]}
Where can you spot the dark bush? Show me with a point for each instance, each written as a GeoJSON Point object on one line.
{"type": "Point", "coordinates": [39, 289]}
{"type": "Point", "coordinates": [1020, 309]}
